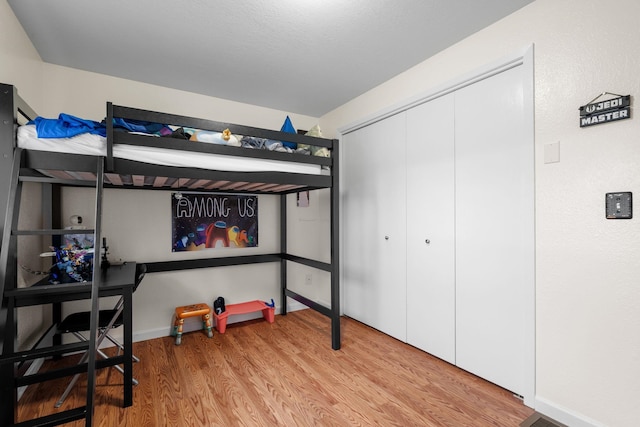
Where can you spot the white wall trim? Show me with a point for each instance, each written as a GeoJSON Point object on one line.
{"type": "Point", "coordinates": [564, 415]}
{"type": "Point", "coordinates": [528, 85]}
{"type": "Point", "coordinates": [195, 324]}
{"type": "Point", "coordinates": [460, 82]}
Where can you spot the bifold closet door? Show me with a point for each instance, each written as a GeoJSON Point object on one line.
{"type": "Point", "coordinates": [430, 228]}
{"type": "Point", "coordinates": [374, 225]}
{"type": "Point", "coordinates": [494, 228]}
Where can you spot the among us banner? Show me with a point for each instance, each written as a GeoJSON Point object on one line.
{"type": "Point", "coordinates": [213, 220]}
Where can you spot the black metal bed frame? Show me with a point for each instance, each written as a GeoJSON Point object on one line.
{"type": "Point", "coordinates": [278, 183]}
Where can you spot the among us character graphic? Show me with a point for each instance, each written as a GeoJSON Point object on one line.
{"type": "Point", "coordinates": [219, 235]}
{"type": "Point", "coordinates": [237, 236]}
{"type": "Point", "coordinates": [215, 235]}
{"type": "Point", "coordinates": [217, 232]}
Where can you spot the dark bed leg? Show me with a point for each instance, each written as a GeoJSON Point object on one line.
{"type": "Point", "coordinates": [335, 248]}
{"type": "Point", "coordinates": [6, 146]}
{"type": "Point", "coordinates": [283, 250]}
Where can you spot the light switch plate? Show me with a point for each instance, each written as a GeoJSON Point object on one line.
{"type": "Point", "coordinates": [552, 152]}
{"type": "Point", "coordinates": [619, 205]}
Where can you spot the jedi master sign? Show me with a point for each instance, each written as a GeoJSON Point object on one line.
{"type": "Point", "coordinates": [605, 111]}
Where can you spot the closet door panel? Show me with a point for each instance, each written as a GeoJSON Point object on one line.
{"type": "Point", "coordinates": [374, 225]}
{"type": "Point", "coordinates": [430, 228]}
{"type": "Point", "coordinates": [494, 228]}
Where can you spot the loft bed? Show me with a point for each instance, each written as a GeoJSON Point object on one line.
{"type": "Point", "coordinates": [142, 161]}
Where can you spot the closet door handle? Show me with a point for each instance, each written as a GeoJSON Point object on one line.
{"type": "Point", "coordinates": [427, 241]}
{"type": "Point", "coordinates": [386, 237]}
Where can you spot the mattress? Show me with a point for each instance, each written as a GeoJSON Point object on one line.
{"type": "Point", "coordinates": [95, 145]}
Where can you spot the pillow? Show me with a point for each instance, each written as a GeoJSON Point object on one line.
{"type": "Point", "coordinates": [317, 151]}
{"type": "Point", "coordinates": [211, 137]}
{"type": "Point", "coordinates": [315, 131]}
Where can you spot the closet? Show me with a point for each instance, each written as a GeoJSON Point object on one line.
{"type": "Point", "coordinates": [375, 237]}
{"type": "Point", "coordinates": [430, 228]}
{"type": "Point", "coordinates": [439, 234]}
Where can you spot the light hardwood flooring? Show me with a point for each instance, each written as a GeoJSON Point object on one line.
{"type": "Point", "coordinates": [286, 374]}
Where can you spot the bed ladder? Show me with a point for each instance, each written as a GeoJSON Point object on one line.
{"type": "Point", "coordinates": [12, 297]}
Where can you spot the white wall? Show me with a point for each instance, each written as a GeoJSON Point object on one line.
{"type": "Point", "coordinates": [135, 230]}
{"type": "Point", "coordinates": [587, 292]}
{"type": "Point", "coordinates": [84, 94]}
{"type": "Point", "coordinates": [137, 225]}
{"type": "Point", "coordinates": [587, 272]}
{"type": "Point", "coordinates": [20, 63]}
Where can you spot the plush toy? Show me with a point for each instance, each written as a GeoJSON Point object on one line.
{"type": "Point", "coordinates": [315, 151]}
{"type": "Point", "coordinates": [287, 127]}
{"type": "Point", "coordinates": [224, 138]}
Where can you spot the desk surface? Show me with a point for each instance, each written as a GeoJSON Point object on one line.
{"type": "Point", "coordinates": [113, 281]}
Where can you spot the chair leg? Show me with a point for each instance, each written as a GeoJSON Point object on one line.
{"type": "Point", "coordinates": [74, 380]}
{"type": "Point", "coordinates": [121, 347]}
{"type": "Point", "coordinates": [105, 334]}
{"type": "Point", "coordinates": [83, 359]}
{"type": "Point", "coordinates": [67, 391]}
{"type": "Point", "coordinates": [117, 367]}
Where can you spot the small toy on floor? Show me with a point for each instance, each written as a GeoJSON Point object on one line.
{"type": "Point", "coordinates": [218, 306]}
{"type": "Point", "coordinates": [268, 312]}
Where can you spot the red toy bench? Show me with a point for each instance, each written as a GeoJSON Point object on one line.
{"type": "Point", "coordinates": [268, 312]}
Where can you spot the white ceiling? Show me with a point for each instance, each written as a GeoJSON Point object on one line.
{"type": "Point", "coordinates": [299, 56]}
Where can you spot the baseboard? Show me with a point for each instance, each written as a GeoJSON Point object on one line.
{"type": "Point", "coordinates": [195, 324]}
{"type": "Point", "coordinates": [564, 415]}
{"type": "Point", "coordinates": [538, 419]}
{"type": "Point", "coordinates": [293, 305]}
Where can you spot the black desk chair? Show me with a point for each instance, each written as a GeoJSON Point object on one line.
{"type": "Point", "coordinates": [77, 323]}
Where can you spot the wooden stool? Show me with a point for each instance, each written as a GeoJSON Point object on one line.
{"type": "Point", "coordinates": [185, 311]}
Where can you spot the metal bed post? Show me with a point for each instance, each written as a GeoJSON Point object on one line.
{"type": "Point", "coordinates": [283, 250]}
{"type": "Point", "coordinates": [8, 265]}
{"type": "Point", "coordinates": [335, 248]}
{"type": "Point", "coordinates": [6, 146]}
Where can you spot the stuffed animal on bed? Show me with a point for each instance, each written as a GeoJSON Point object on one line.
{"type": "Point", "coordinates": [315, 151]}
{"type": "Point", "coordinates": [287, 127]}
{"type": "Point", "coordinates": [220, 138]}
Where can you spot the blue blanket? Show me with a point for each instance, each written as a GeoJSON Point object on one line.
{"type": "Point", "coordinates": [67, 126]}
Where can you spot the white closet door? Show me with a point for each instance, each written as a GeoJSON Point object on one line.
{"type": "Point", "coordinates": [494, 228]}
{"type": "Point", "coordinates": [430, 228]}
{"type": "Point", "coordinates": [374, 236]}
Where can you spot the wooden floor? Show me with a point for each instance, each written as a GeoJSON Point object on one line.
{"type": "Point", "coordinates": [286, 374]}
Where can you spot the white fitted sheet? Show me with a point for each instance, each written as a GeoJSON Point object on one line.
{"type": "Point", "coordinates": [95, 145]}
